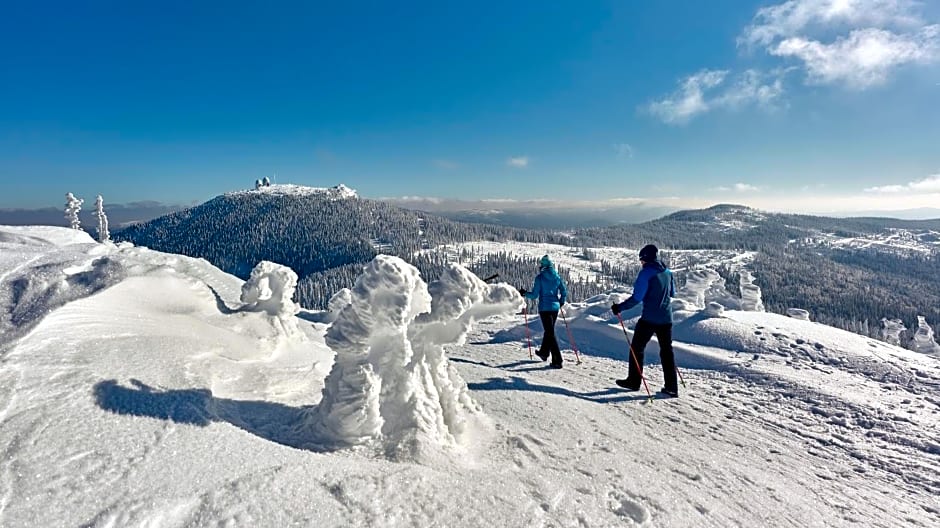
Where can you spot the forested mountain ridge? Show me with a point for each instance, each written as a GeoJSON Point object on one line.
{"type": "Point", "coordinates": [727, 226]}
{"type": "Point", "coordinates": [324, 235]}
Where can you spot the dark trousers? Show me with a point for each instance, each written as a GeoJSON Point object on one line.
{"type": "Point", "coordinates": [549, 343]}
{"type": "Point", "coordinates": [641, 336]}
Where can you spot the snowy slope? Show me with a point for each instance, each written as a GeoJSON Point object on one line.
{"type": "Point", "coordinates": [137, 388]}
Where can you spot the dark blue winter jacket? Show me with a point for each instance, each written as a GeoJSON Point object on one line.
{"type": "Point", "coordinates": [654, 287]}
{"type": "Point", "coordinates": [549, 289]}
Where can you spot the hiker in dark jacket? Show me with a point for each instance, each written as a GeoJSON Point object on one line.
{"type": "Point", "coordinates": [654, 287]}
{"type": "Point", "coordinates": [550, 290]}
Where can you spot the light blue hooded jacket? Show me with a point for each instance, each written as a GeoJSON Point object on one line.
{"type": "Point", "coordinates": [549, 289]}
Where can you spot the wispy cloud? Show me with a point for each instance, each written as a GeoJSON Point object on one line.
{"type": "Point", "coordinates": [739, 188]}
{"type": "Point", "coordinates": [928, 185]}
{"type": "Point", "coordinates": [623, 150]}
{"type": "Point", "coordinates": [445, 164]}
{"type": "Point", "coordinates": [520, 162]}
{"type": "Point", "coordinates": [412, 199]}
{"type": "Point", "coordinates": [866, 40]}
{"type": "Point", "coordinates": [689, 100]}
{"type": "Point", "coordinates": [706, 90]}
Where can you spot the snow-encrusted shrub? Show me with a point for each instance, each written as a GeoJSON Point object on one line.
{"type": "Point", "coordinates": [103, 234]}
{"type": "Point", "coordinates": [391, 383]}
{"type": "Point", "coordinates": [338, 301]}
{"type": "Point", "coordinates": [270, 288]}
{"type": "Point", "coordinates": [714, 309]}
{"type": "Point", "coordinates": [798, 313]}
{"type": "Point", "coordinates": [72, 206]}
{"type": "Point", "coordinates": [679, 305]}
{"type": "Point", "coordinates": [924, 338]}
{"type": "Point", "coordinates": [891, 330]}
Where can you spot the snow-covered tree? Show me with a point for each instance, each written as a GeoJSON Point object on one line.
{"type": "Point", "coordinates": [391, 382]}
{"type": "Point", "coordinates": [266, 181]}
{"type": "Point", "coordinates": [258, 184]}
{"type": "Point", "coordinates": [923, 341]}
{"type": "Point", "coordinates": [103, 234]}
{"type": "Point", "coordinates": [72, 206]}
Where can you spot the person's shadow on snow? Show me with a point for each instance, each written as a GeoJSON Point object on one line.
{"type": "Point", "coordinates": [612, 395]}
{"type": "Point", "coordinates": [272, 421]}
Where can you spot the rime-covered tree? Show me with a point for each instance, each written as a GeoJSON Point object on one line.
{"type": "Point", "coordinates": [266, 181]}
{"type": "Point", "coordinates": [72, 206]}
{"type": "Point", "coordinates": [103, 234]}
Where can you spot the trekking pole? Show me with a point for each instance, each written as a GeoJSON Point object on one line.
{"type": "Point", "coordinates": [680, 376]}
{"type": "Point", "coordinates": [574, 345]}
{"type": "Point", "coordinates": [525, 313]}
{"type": "Point", "coordinates": [639, 368]}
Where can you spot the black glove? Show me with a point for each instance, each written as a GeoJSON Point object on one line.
{"type": "Point", "coordinates": [615, 308]}
{"type": "Point", "coordinates": [523, 291]}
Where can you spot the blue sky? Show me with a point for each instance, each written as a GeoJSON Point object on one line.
{"type": "Point", "coordinates": [798, 105]}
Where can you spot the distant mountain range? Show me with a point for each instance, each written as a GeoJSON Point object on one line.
{"type": "Point", "coordinates": [118, 214]}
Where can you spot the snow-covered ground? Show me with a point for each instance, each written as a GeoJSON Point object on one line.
{"type": "Point", "coordinates": [337, 192]}
{"type": "Point", "coordinates": [908, 242]}
{"type": "Point", "coordinates": [139, 388]}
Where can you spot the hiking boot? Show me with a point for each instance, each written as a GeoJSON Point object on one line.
{"type": "Point", "coordinates": [627, 385]}
{"type": "Point", "coordinates": [669, 393]}
{"type": "Point", "coordinates": [555, 365]}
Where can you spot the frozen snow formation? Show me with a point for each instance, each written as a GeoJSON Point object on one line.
{"type": "Point", "coordinates": [714, 309]}
{"type": "Point", "coordinates": [924, 338]}
{"type": "Point", "coordinates": [798, 313]}
{"type": "Point", "coordinates": [391, 385]}
{"type": "Point", "coordinates": [338, 301]}
{"type": "Point", "coordinates": [751, 299]}
{"type": "Point", "coordinates": [891, 330]}
{"type": "Point", "coordinates": [270, 288]}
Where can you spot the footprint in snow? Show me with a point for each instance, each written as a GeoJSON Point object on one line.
{"type": "Point", "coordinates": [523, 451]}
{"type": "Point", "coordinates": [623, 505]}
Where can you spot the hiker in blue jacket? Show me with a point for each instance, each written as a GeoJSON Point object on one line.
{"type": "Point", "coordinates": [550, 290]}
{"type": "Point", "coordinates": [654, 287]}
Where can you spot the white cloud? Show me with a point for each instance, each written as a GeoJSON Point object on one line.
{"type": "Point", "coordinates": [855, 43]}
{"type": "Point", "coordinates": [796, 17]}
{"type": "Point", "coordinates": [519, 162]}
{"type": "Point", "coordinates": [411, 199]}
{"type": "Point", "coordinates": [864, 58]}
{"type": "Point", "coordinates": [689, 101]}
{"type": "Point", "coordinates": [704, 91]}
{"type": "Point", "coordinates": [624, 150]}
{"type": "Point", "coordinates": [738, 187]}
{"type": "Point", "coordinates": [445, 164]}
{"type": "Point", "coordinates": [928, 185]}
{"type": "Point", "coordinates": [751, 88]}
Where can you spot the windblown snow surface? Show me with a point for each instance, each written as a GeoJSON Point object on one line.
{"type": "Point", "coordinates": [140, 388]}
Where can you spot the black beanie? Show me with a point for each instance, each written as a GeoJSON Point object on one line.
{"type": "Point", "coordinates": [648, 253]}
